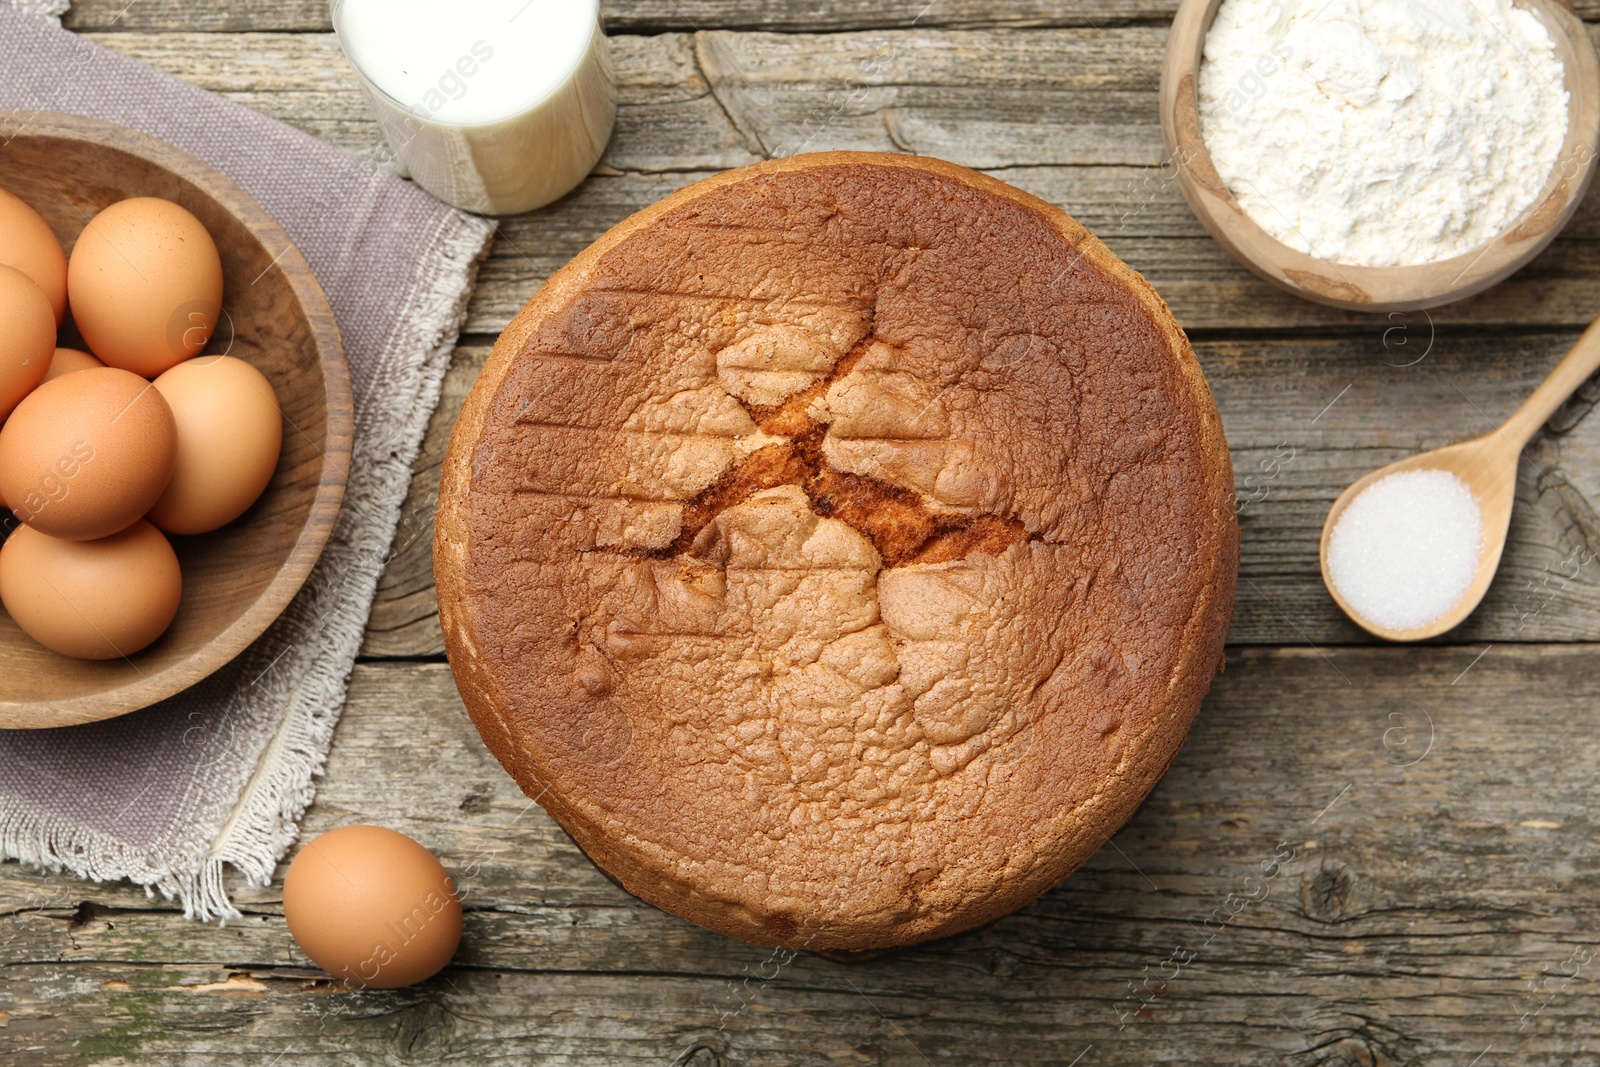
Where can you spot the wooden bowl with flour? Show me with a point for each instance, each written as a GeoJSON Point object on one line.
{"type": "Point", "coordinates": [1369, 288]}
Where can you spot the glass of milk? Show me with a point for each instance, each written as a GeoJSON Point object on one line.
{"type": "Point", "coordinates": [494, 106]}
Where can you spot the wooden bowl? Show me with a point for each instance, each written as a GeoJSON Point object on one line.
{"type": "Point", "coordinates": [237, 580]}
{"type": "Point", "coordinates": [1380, 289]}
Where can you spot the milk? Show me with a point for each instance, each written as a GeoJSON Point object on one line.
{"type": "Point", "coordinates": [495, 106]}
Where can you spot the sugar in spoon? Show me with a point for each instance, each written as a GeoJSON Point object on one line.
{"type": "Point", "coordinates": [1488, 466]}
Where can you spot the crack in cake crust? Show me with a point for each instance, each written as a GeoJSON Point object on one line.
{"type": "Point", "coordinates": [895, 519]}
{"type": "Point", "coordinates": [697, 537]}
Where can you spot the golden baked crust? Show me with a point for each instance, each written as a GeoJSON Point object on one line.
{"type": "Point", "coordinates": [839, 549]}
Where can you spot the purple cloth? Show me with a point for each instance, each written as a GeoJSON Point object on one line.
{"type": "Point", "coordinates": [172, 795]}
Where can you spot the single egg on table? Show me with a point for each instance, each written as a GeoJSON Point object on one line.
{"type": "Point", "coordinates": [67, 360]}
{"type": "Point", "coordinates": [28, 244]}
{"type": "Point", "coordinates": [87, 454]}
{"type": "Point", "coordinates": [100, 599]}
{"type": "Point", "coordinates": [230, 432]}
{"type": "Point", "coordinates": [372, 906]}
{"type": "Point", "coordinates": [145, 285]}
{"type": "Point", "coordinates": [27, 338]}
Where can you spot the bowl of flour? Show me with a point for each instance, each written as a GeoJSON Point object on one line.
{"type": "Point", "coordinates": [1381, 155]}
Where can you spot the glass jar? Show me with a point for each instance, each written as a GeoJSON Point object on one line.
{"type": "Point", "coordinates": [494, 106]}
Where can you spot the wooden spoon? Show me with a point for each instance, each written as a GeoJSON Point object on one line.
{"type": "Point", "coordinates": [1488, 465]}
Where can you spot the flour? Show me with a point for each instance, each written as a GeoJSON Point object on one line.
{"type": "Point", "coordinates": [1382, 132]}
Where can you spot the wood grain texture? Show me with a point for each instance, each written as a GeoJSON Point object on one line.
{"type": "Point", "coordinates": [657, 16]}
{"type": "Point", "coordinates": [1439, 906]}
{"type": "Point", "coordinates": [1352, 861]}
{"type": "Point", "coordinates": [405, 616]}
{"type": "Point", "coordinates": [1304, 419]}
{"type": "Point", "coordinates": [648, 16]}
{"type": "Point", "coordinates": [1488, 466]}
{"type": "Point", "coordinates": [1068, 114]}
{"type": "Point", "coordinates": [239, 578]}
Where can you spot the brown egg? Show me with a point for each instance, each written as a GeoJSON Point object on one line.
{"type": "Point", "coordinates": [27, 338]}
{"type": "Point", "coordinates": [67, 360]}
{"type": "Point", "coordinates": [229, 435]}
{"type": "Point", "coordinates": [145, 283]}
{"type": "Point", "coordinates": [91, 599]}
{"type": "Point", "coordinates": [372, 906]}
{"type": "Point", "coordinates": [87, 454]}
{"type": "Point", "coordinates": [28, 244]}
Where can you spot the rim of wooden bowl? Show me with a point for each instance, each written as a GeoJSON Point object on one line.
{"type": "Point", "coordinates": [1380, 289]}
{"type": "Point", "coordinates": [291, 576]}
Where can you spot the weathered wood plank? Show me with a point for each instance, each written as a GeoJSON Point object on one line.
{"type": "Point", "coordinates": [656, 16]}
{"type": "Point", "coordinates": [710, 100]}
{"type": "Point", "coordinates": [1434, 899]}
{"type": "Point", "coordinates": [1066, 114]}
{"type": "Point", "coordinates": [937, 92]}
{"type": "Point", "coordinates": [1206, 288]}
{"type": "Point", "coordinates": [1350, 858]}
{"type": "Point", "coordinates": [305, 81]}
{"type": "Point", "coordinates": [649, 16]}
{"type": "Point", "coordinates": [405, 616]}
{"type": "Point", "coordinates": [1304, 418]}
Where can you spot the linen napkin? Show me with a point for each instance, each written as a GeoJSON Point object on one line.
{"type": "Point", "coordinates": [170, 796]}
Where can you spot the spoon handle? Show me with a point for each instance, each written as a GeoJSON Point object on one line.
{"type": "Point", "coordinates": [1573, 370]}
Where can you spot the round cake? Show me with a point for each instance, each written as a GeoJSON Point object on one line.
{"type": "Point", "coordinates": [839, 549]}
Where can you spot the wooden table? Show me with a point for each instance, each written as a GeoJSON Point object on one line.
{"type": "Point", "coordinates": [1365, 855]}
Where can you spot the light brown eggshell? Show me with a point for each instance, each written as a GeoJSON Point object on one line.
{"type": "Point", "coordinates": [28, 244]}
{"type": "Point", "coordinates": [372, 906]}
{"type": "Point", "coordinates": [100, 599]}
{"type": "Point", "coordinates": [27, 337]}
{"type": "Point", "coordinates": [230, 432]}
{"type": "Point", "coordinates": [145, 284]}
{"type": "Point", "coordinates": [87, 454]}
{"type": "Point", "coordinates": [67, 360]}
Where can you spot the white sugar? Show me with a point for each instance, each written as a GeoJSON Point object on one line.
{"type": "Point", "coordinates": [1406, 549]}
